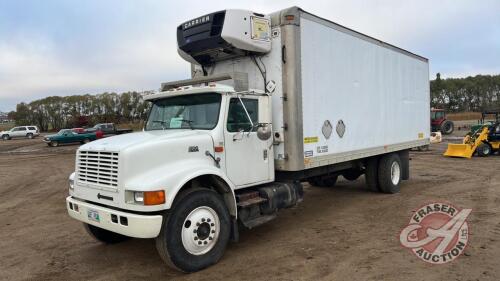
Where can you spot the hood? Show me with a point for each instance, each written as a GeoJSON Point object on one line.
{"type": "Point", "coordinates": [120, 142]}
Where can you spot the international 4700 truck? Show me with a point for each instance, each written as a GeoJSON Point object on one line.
{"type": "Point", "coordinates": [274, 101]}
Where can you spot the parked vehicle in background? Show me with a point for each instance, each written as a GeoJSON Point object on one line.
{"type": "Point", "coordinates": [440, 123]}
{"type": "Point", "coordinates": [20, 132]}
{"type": "Point", "coordinates": [69, 136]}
{"type": "Point", "coordinates": [109, 129]}
{"type": "Point", "coordinates": [99, 134]}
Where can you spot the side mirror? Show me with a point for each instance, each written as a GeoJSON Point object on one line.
{"type": "Point", "coordinates": [264, 131]}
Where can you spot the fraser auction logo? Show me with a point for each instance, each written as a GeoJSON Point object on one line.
{"type": "Point", "coordinates": [437, 233]}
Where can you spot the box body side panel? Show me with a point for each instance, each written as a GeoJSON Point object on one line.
{"type": "Point", "coordinates": [375, 98]}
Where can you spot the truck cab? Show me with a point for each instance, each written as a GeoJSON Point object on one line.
{"type": "Point", "coordinates": [206, 138]}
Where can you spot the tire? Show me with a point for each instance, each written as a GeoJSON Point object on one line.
{"type": "Point", "coordinates": [29, 136]}
{"type": "Point", "coordinates": [447, 127]}
{"type": "Point", "coordinates": [86, 140]}
{"type": "Point", "coordinates": [54, 143]}
{"type": "Point", "coordinates": [5, 137]}
{"type": "Point", "coordinates": [324, 181]}
{"type": "Point", "coordinates": [484, 150]}
{"type": "Point", "coordinates": [352, 174]}
{"type": "Point", "coordinates": [371, 174]}
{"type": "Point", "coordinates": [188, 245]}
{"type": "Point", "coordinates": [390, 171]}
{"type": "Point", "coordinates": [103, 235]}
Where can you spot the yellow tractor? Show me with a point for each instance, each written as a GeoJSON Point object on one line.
{"type": "Point", "coordinates": [485, 141]}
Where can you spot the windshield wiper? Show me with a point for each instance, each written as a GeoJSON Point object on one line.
{"type": "Point", "coordinates": [189, 123]}
{"type": "Point", "coordinates": [161, 122]}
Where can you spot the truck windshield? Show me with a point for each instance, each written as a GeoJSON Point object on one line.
{"type": "Point", "coordinates": [200, 111]}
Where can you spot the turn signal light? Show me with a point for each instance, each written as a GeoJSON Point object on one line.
{"type": "Point", "coordinates": [219, 149]}
{"type": "Point", "coordinates": [154, 197]}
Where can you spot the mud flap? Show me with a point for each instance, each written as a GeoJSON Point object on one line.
{"type": "Point", "coordinates": [405, 162]}
{"type": "Point", "coordinates": [235, 234]}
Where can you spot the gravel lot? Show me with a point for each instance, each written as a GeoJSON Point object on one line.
{"type": "Point", "coordinates": [339, 233]}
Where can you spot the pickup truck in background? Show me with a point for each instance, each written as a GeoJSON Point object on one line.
{"type": "Point", "coordinates": [109, 129]}
{"type": "Point", "coordinates": [69, 136]}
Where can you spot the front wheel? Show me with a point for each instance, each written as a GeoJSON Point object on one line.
{"type": "Point", "coordinates": [484, 150]}
{"type": "Point", "coordinates": [103, 235]}
{"type": "Point", "coordinates": [5, 137]}
{"type": "Point", "coordinates": [54, 143]}
{"type": "Point", "coordinates": [195, 233]}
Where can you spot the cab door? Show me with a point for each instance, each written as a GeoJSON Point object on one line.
{"type": "Point", "coordinates": [248, 159]}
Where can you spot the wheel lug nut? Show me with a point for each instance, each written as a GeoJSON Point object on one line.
{"type": "Point", "coordinates": [205, 242]}
{"type": "Point", "coordinates": [208, 220]}
{"type": "Point", "coordinates": [199, 242]}
{"type": "Point", "coordinates": [210, 238]}
{"type": "Point", "coordinates": [212, 224]}
{"type": "Point", "coordinates": [194, 231]}
{"type": "Point", "coordinates": [213, 231]}
{"type": "Point", "coordinates": [197, 224]}
{"type": "Point", "coordinates": [202, 220]}
{"type": "Point", "coordinates": [196, 238]}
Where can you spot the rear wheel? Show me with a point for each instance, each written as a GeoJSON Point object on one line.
{"type": "Point", "coordinates": [484, 150]}
{"type": "Point", "coordinates": [390, 173]}
{"type": "Point", "coordinates": [103, 235]}
{"type": "Point", "coordinates": [195, 233]}
{"type": "Point", "coordinates": [86, 140]}
{"type": "Point", "coordinates": [447, 127]}
{"type": "Point", "coordinates": [29, 136]}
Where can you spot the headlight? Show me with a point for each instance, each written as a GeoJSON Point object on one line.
{"type": "Point", "coordinates": [71, 181]}
{"type": "Point", "coordinates": [139, 197]}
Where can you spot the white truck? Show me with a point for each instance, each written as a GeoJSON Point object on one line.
{"type": "Point", "coordinates": [274, 100]}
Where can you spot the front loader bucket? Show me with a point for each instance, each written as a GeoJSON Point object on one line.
{"type": "Point", "coordinates": [459, 150]}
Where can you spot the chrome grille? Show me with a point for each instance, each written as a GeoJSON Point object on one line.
{"type": "Point", "coordinates": [98, 168]}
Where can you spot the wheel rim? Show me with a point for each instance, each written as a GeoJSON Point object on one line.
{"type": "Point", "coordinates": [486, 150]}
{"type": "Point", "coordinates": [200, 230]}
{"type": "Point", "coordinates": [395, 173]}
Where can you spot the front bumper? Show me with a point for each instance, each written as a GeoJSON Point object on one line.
{"type": "Point", "coordinates": [138, 226]}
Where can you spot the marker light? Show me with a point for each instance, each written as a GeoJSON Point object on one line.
{"type": "Point", "coordinates": [154, 197]}
{"type": "Point", "coordinates": [149, 198]}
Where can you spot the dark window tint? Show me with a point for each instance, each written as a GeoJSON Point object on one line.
{"type": "Point", "coordinates": [32, 128]}
{"type": "Point", "coordinates": [237, 118]}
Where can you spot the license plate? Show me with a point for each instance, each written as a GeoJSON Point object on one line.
{"type": "Point", "coordinates": [93, 215]}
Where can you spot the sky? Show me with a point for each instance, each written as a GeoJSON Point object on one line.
{"type": "Point", "coordinates": [64, 47]}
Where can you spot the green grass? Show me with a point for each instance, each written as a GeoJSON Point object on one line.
{"type": "Point", "coordinates": [6, 126]}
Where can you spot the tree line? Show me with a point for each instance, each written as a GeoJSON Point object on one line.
{"type": "Point", "coordinates": [478, 93]}
{"type": "Point", "coordinates": [56, 112]}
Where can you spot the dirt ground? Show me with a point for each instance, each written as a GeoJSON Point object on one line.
{"type": "Point", "coordinates": [339, 233]}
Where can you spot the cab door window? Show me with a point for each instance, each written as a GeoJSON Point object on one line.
{"type": "Point", "coordinates": [237, 119]}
